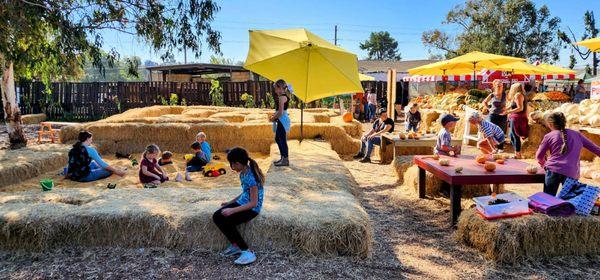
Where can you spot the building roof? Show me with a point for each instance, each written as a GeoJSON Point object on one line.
{"type": "Point", "coordinates": [370, 66]}
{"type": "Point", "coordinates": [197, 68]}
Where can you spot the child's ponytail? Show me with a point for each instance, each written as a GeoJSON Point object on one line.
{"type": "Point", "coordinates": [258, 174]}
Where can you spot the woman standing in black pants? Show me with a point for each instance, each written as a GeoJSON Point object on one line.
{"type": "Point", "coordinates": [281, 121]}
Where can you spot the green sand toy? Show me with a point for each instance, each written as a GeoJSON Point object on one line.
{"type": "Point", "coordinates": [47, 184]}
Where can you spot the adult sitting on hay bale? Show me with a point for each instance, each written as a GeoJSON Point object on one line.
{"type": "Point", "coordinates": [85, 164]}
{"type": "Point", "coordinates": [373, 137]}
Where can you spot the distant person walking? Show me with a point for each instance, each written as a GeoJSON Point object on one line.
{"type": "Point", "coordinates": [496, 102]}
{"type": "Point", "coordinates": [281, 121]}
{"type": "Point", "coordinates": [372, 103]}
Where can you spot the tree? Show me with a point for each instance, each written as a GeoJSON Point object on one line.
{"type": "Point", "coordinates": [381, 46]}
{"type": "Point", "coordinates": [590, 31]}
{"type": "Point", "coordinates": [224, 61]}
{"type": "Point", "coordinates": [122, 70]}
{"type": "Point", "coordinates": [507, 27]}
{"type": "Point", "coordinates": [50, 38]}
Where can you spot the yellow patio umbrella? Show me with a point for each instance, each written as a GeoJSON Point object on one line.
{"type": "Point", "coordinates": [592, 44]}
{"type": "Point", "coordinates": [314, 67]}
{"type": "Point", "coordinates": [364, 77]}
{"type": "Point", "coordinates": [479, 61]}
{"type": "Point", "coordinates": [520, 67]}
{"type": "Point", "coordinates": [440, 68]}
{"type": "Point", "coordinates": [556, 70]}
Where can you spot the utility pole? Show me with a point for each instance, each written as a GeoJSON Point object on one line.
{"type": "Point", "coordinates": [184, 54]}
{"type": "Point", "coordinates": [335, 36]}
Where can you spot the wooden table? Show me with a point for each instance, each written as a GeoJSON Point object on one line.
{"type": "Point", "coordinates": [511, 172]}
{"type": "Point", "coordinates": [426, 140]}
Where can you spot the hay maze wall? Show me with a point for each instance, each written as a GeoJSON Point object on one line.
{"type": "Point", "coordinates": [315, 213]}
{"type": "Point", "coordinates": [174, 128]}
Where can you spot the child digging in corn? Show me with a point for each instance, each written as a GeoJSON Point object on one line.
{"type": "Point", "coordinates": [166, 163]}
{"type": "Point", "coordinates": [243, 208]}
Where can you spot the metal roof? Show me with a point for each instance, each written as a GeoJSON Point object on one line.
{"type": "Point", "coordinates": [197, 68]}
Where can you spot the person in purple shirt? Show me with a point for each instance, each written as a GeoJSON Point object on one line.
{"type": "Point", "coordinates": [564, 146]}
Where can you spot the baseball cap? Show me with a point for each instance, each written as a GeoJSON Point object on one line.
{"type": "Point", "coordinates": [446, 118]}
{"type": "Point", "coordinates": [381, 111]}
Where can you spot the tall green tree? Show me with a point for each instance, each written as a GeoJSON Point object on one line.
{"type": "Point", "coordinates": [381, 46]}
{"type": "Point", "coordinates": [49, 38]}
{"type": "Point", "coordinates": [122, 70]}
{"type": "Point", "coordinates": [507, 27]}
{"type": "Point", "coordinates": [590, 31]}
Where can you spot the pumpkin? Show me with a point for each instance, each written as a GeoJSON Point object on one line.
{"type": "Point", "coordinates": [436, 157]}
{"type": "Point", "coordinates": [498, 156]}
{"type": "Point", "coordinates": [481, 159]}
{"type": "Point", "coordinates": [411, 136]}
{"type": "Point", "coordinates": [500, 161]}
{"type": "Point", "coordinates": [532, 169]}
{"type": "Point", "coordinates": [402, 136]}
{"type": "Point", "coordinates": [444, 162]}
{"type": "Point", "coordinates": [347, 117]}
{"type": "Point", "coordinates": [489, 166]}
{"type": "Point", "coordinates": [458, 169]}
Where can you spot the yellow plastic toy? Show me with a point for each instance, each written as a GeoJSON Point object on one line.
{"type": "Point", "coordinates": [215, 169]}
{"type": "Point", "coordinates": [188, 157]}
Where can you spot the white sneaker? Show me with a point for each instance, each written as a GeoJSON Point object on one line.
{"type": "Point", "coordinates": [247, 257]}
{"type": "Point", "coordinates": [230, 251]}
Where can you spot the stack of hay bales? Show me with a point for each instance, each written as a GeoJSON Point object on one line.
{"type": "Point", "coordinates": [232, 117]}
{"type": "Point", "coordinates": [33, 118]}
{"type": "Point", "coordinates": [31, 161]}
{"type": "Point", "coordinates": [530, 145]}
{"type": "Point", "coordinates": [400, 165]}
{"type": "Point", "coordinates": [433, 185]}
{"type": "Point", "coordinates": [534, 236]}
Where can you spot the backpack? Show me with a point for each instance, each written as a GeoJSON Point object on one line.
{"type": "Point", "coordinates": [79, 163]}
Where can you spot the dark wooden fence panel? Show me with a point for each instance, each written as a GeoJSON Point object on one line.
{"type": "Point", "coordinates": [96, 100]}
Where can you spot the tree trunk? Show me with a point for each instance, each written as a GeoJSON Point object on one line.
{"type": "Point", "coordinates": [12, 114]}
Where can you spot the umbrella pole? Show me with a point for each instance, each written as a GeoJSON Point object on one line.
{"type": "Point", "coordinates": [301, 122]}
{"type": "Point", "coordinates": [445, 80]}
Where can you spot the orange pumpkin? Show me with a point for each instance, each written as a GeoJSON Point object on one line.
{"type": "Point", "coordinates": [500, 161]}
{"type": "Point", "coordinates": [347, 117]}
{"type": "Point", "coordinates": [490, 166]}
{"type": "Point", "coordinates": [481, 159]}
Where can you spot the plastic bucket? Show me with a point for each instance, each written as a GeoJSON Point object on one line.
{"type": "Point", "coordinates": [47, 184]}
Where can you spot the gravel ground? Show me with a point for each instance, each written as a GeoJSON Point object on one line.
{"type": "Point", "coordinates": [412, 240]}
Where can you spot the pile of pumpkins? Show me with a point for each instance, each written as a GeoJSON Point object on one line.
{"type": "Point", "coordinates": [586, 113]}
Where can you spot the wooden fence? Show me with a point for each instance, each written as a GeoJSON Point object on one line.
{"type": "Point", "coordinates": [93, 101]}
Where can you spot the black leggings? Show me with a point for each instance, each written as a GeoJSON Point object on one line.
{"type": "Point", "coordinates": [280, 139]}
{"type": "Point", "coordinates": [228, 224]}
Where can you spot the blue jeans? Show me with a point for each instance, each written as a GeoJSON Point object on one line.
{"type": "Point", "coordinates": [552, 182]}
{"type": "Point", "coordinates": [194, 168]}
{"type": "Point", "coordinates": [96, 173]}
{"type": "Point", "coordinates": [281, 140]}
{"type": "Point", "coordinates": [372, 109]}
{"type": "Point", "coordinates": [515, 140]}
{"type": "Point", "coordinates": [409, 126]}
{"type": "Point", "coordinates": [369, 146]}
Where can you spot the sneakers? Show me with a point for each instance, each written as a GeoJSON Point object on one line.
{"type": "Point", "coordinates": [283, 162]}
{"type": "Point", "coordinates": [246, 257]}
{"type": "Point", "coordinates": [359, 155]}
{"type": "Point", "coordinates": [365, 160]}
{"type": "Point", "coordinates": [178, 178]}
{"type": "Point", "coordinates": [230, 251]}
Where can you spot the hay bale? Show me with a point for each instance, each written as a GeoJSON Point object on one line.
{"type": "Point", "coordinates": [530, 145]}
{"type": "Point", "coordinates": [428, 118]}
{"type": "Point", "coordinates": [534, 236]}
{"type": "Point", "coordinates": [433, 185]}
{"type": "Point", "coordinates": [33, 118]}
{"type": "Point", "coordinates": [261, 117]}
{"type": "Point", "coordinates": [354, 128]}
{"type": "Point", "coordinates": [31, 161]}
{"type": "Point", "coordinates": [233, 117]}
{"type": "Point", "coordinates": [198, 113]}
{"type": "Point", "coordinates": [585, 154]}
{"type": "Point", "coordinates": [316, 218]}
{"type": "Point", "coordinates": [460, 127]}
{"type": "Point", "coordinates": [400, 165]}
{"type": "Point", "coordinates": [321, 118]}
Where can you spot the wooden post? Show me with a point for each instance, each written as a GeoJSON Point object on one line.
{"type": "Point", "coordinates": [391, 93]}
{"type": "Point", "coordinates": [455, 207]}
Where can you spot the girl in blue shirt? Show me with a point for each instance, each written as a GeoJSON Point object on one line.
{"type": "Point", "coordinates": [243, 208]}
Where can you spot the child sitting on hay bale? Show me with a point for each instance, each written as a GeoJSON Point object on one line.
{"type": "Point", "coordinates": [493, 136]}
{"type": "Point", "coordinates": [243, 208]}
{"type": "Point", "coordinates": [443, 144]}
{"type": "Point", "coordinates": [565, 147]}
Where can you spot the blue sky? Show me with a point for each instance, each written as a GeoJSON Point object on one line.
{"type": "Point", "coordinates": [404, 19]}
